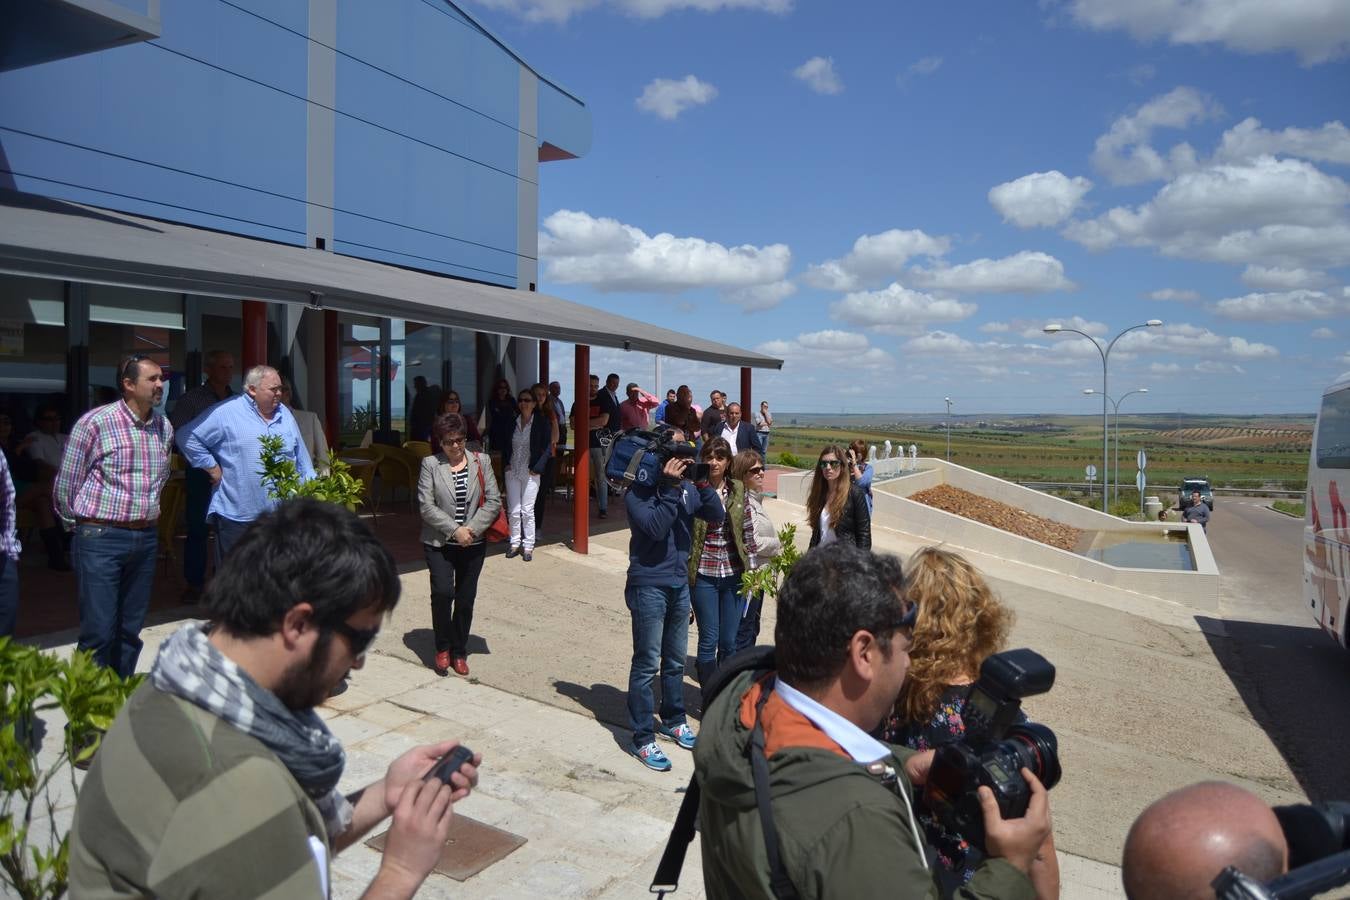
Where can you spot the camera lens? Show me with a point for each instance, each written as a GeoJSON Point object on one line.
{"type": "Point", "coordinates": [1037, 749]}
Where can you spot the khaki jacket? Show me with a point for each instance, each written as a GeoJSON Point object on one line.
{"type": "Point", "coordinates": [436, 499]}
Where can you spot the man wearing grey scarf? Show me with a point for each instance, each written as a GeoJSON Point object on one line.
{"type": "Point", "coordinates": [218, 779]}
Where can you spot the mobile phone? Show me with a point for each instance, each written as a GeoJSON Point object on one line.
{"type": "Point", "coordinates": [449, 764]}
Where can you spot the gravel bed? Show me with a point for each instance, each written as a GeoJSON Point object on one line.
{"type": "Point", "coordinates": [999, 515]}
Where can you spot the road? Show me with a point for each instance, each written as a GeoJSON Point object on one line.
{"type": "Point", "coordinates": [1293, 678]}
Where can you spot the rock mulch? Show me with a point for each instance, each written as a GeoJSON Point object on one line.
{"type": "Point", "coordinates": [999, 515]}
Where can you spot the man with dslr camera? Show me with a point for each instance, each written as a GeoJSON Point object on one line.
{"type": "Point", "coordinates": [840, 822]}
{"type": "Point", "coordinates": [661, 517]}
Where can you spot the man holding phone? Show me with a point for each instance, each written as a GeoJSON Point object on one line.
{"type": "Point", "coordinates": [661, 518]}
{"type": "Point", "coordinates": [218, 779]}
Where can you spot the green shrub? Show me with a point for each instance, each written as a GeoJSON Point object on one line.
{"type": "Point", "coordinates": [32, 682]}
{"type": "Point", "coordinates": [791, 460]}
{"type": "Point", "coordinates": [282, 479]}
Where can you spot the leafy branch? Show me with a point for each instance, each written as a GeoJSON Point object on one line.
{"type": "Point", "coordinates": [283, 481]}
{"type": "Point", "coordinates": [766, 579]}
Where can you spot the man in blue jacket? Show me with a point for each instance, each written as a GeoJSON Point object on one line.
{"type": "Point", "coordinates": [661, 518]}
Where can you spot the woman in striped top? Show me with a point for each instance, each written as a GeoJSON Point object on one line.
{"type": "Point", "coordinates": [717, 557]}
{"type": "Point", "coordinates": [459, 501]}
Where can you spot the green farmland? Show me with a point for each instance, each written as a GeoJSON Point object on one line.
{"type": "Point", "coordinates": [1269, 451]}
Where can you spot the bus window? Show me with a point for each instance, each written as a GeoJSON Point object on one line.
{"type": "Point", "coordinates": [1333, 432]}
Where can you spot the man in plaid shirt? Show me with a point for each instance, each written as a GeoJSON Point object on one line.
{"type": "Point", "coordinates": [114, 467]}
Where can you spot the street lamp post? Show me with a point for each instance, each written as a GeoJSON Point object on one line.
{"type": "Point", "coordinates": [948, 401]}
{"type": "Point", "coordinates": [1115, 413]}
{"type": "Point", "coordinates": [1106, 355]}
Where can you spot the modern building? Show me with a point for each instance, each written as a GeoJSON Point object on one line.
{"type": "Point", "coordinates": [348, 191]}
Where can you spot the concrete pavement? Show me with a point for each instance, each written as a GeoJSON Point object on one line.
{"type": "Point", "coordinates": [1142, 704]}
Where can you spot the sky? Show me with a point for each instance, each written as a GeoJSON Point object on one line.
{"type": "Point", "coordinates": [896, 198]}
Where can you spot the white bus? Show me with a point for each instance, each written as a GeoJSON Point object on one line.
{"type": "Point", "coordinates": [1326, 533]}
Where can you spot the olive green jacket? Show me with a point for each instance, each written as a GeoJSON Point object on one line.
{"type": "Point", "coordinates": [735, 521]}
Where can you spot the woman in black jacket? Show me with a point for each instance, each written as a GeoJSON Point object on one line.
{"type": "Point", "coordinates": [524, 455]}
{"type": "Point", "coordinates": [837, 509]}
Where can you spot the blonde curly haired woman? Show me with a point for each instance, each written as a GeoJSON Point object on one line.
{"type": "Point", "coordinates": [960, 623]}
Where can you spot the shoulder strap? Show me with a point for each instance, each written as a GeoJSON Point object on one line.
{"type": "Point", "coordinates": [482, 485]}
{"type": "Point", "coordinates": [779, 881]}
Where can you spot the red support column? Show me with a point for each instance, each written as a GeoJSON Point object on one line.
{"type": "Point", "coordinates": [253, 346]}
{"type": "Point", "coordinates": [331, 359]}
{"type": "Point", "coordinates": [543, 363]}
{"type": "Point", "coordinates": [747, 410]}
{"type": "Point", "coordinates": [581, 504]}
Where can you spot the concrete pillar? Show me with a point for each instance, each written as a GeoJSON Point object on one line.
{"type": "Point", "coordinates": [747, 408]}
{"type": "Point", "coordinates": [581, 504]}
{"type": "Point", "coordinates": [253, 346]}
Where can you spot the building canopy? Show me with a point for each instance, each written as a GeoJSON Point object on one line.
{"type": "Point", "coordinates": [57, 239]}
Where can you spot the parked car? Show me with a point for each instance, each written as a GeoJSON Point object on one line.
{"type": "Point", "coordinates": [1190, 486]}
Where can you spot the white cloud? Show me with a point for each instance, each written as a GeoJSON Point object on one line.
{"type": "Point", "coordinates": [831, 349]}
{"type": "Point", "coordinates": [1173, 295]}
{"type": "Point", "coordinates": [1144, 72]}
{"type": "Point", "coordinates": [1285, 306]}
{"type": "Point", "coordinates": [926, 66]}
{"type": "Point", "coordinates": [1247, 140]}
{"type": "Point", "coordinates": [668, 98]}
{"type": "Point", "coordinates": [1274, 278]}
{"type": "Point", "coordinates": [995, 327]}
{"type": "Point", "coordinates": [1212, 367]}
{"type": "Point", "coordinates": [1028, 272]}
{"type": "Point", "coordinates": [578, 248]}
{"type": "Point", "coordinates": [819, 75]}
{"type": "Point", "coordinates": [1271, 212]}
{"type": "Point", "coordinates": [1164, 368]}
{"type": "Point", "coordinates": [1317, 30]}
{"type": "Point", "coordinates": [1124, 154]}
{"type": "Point", "coordinates": [1029, 328]}
{"type": "Point", "coordinates": [1039, 199]}
{"type": "Point", "coordinates": [874, 259]}
{"type": "Point", "coordinates": [1323, 334]}
{"type": "Point", "coordinates": [559, 11]}
{"type": "Point", "coordinates": [762, 296]}
{"type": "Point", "coordinates": [1182, 339]}
{"type": "Point", "coordinates": [899, 310]}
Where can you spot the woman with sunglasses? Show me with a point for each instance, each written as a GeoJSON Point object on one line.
{"type": "Point", "coordinates": [524, 458]}
{"type": "Point", "coordinates": [450, 403]}
{"type": "Point", "coordinates": [501, 417]}
{"type": "Point", "coordinates": [836, 507]}
{"type": "Point", "coordinates": [459, 501]}
{"type": "Point", "coordinates": [717, 557]}
{"type": "Point", "coordinates": [761, 539]}
{"type": "Point", "coordinates": [959, 623]}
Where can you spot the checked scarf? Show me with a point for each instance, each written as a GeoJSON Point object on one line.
{"type": "Point", "coordinates": [189, 666]}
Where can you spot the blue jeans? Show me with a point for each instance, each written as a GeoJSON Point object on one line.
{"type": "Point", "coordinates": [717, 609]}
{"type": "Point", "coordinates": [116, 569]}
{"type": "Point", "coordinates": [748, 631]}
{"type": "Point", "coordinates": [660, 638]}
{"type": "Point", "coordinates": [198, 485]}
{"type": "Point", "coordinates": [228, 533]}
{"type": "Point", "coordinates": [763, 443]}
{"type": "Point", "coordinates": [9, 595]}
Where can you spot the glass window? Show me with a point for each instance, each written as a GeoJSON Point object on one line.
{"type": "Point", "coordinates": [123, 321]}
{"type": "Point", "coordinates": [419, 353]}
{"type": "Point", "coordinates": [33, 348]}
{"type": "Point", "coordinates": [1333, 431]}
{"type": "Point", "coordinates": [222, 329]}
{"type": "Point", "coordinates": [358, 377]}
{"type": "Point", "coordinates": [464, 367]}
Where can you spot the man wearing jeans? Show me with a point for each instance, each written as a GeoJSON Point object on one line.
{"type": "Point", "coordinates": [661, 517]}
{"type": "Point", "coordinates": [114, 467]}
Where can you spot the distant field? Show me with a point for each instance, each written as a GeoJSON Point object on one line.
{"type": "Point", "coordinates": [1230, 452]}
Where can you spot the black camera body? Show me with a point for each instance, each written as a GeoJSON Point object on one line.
{"type": "Point", "coordinates": [996, 747]}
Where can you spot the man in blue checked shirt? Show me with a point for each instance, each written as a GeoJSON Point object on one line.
{"type": "Point", "coordinates": [225, 442]}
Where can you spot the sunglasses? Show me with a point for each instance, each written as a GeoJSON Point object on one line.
{"type": "Point", "coordinates": [360, 639]}
{"type": "Point", "coordinates": [452, 442]}
{"type": "Point", "coordinates": [525, 400]}
{"type": "Point", "coordinates": [830, 464]}
{"type": "Point", "coordinates": [756, 470]}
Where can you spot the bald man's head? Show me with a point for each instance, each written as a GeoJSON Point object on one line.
{"type": "Point", "coordinates": [1179, 844]}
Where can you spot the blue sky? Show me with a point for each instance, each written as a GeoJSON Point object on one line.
{"type": "Point", "coordinates": [895, 198]}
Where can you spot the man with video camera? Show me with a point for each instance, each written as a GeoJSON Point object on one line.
{"type": "Point", "coordinates": [661, 515]}
{"type": "Point", "coordinates": [797, 799]}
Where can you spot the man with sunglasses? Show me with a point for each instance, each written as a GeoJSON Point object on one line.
{"type": "Point", "coordinates": [218, 778]}
{"type": "Point", "coordinates": [840, 801]}
{"type": "Point", "coordinates": [113, 470]}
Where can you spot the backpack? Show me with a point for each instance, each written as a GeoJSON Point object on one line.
{"type": "Point", "coordinates": [667, 877]}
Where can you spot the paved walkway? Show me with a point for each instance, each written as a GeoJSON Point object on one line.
{"type": "Point", "coordinates": [1141, 706]}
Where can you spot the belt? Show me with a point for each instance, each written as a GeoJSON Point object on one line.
{"type": "Point", "coordinates": [131, 525]}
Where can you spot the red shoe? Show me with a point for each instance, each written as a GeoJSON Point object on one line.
{"type": "Point", "coordinates": [442, 666]}
{"type": "Point", "coordinates": [460, 665]}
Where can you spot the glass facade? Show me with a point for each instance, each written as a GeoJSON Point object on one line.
{"type": "Point", "coordinates": [33, 349]}
{"type": "Point", "coordinates": [123, 322]}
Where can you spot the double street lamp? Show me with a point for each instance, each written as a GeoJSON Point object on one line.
{"type": "Point", "coordinates": [1115, 407]}
{"type": "Point", "coordinates": [1106, 355]}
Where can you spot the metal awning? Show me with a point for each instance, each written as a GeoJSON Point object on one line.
{"type": "Point", "coordinates": [38, 31]}
{"type": "Point", "coordinates": [58, 239]}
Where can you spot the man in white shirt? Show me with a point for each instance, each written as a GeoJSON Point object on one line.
{"type": "Point", "coordinates": [738, 433]}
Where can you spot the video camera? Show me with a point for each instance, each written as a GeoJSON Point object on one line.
{"type": "Point", "coordinates": [637, 456]}
{"type": "Point", "coordinates": [997, 745]}
{"type": "Point", "coordinates": [1318, 835]}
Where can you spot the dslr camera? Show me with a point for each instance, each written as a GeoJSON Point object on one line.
{"type": "Point", "coordinates": [638, 455]}
{"type": "Point", "coordinates": [998, 743]}
{"type": "Point", "coordinates": [1318, 835]}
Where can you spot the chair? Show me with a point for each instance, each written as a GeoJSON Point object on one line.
{"type": "Point", "coordinates": [567, 473]}
{"type": "Point", "coordinates": [172, 503]}
{"type": "Point", "coordinates": [364, 463]}
{"type": "Point", "coordinates": [420, 449]}
{"type": "Point", "coordinates": [398, 467]}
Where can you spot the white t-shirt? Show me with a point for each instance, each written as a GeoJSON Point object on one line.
{"type": "Point", "coordinates": [827, 535]}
